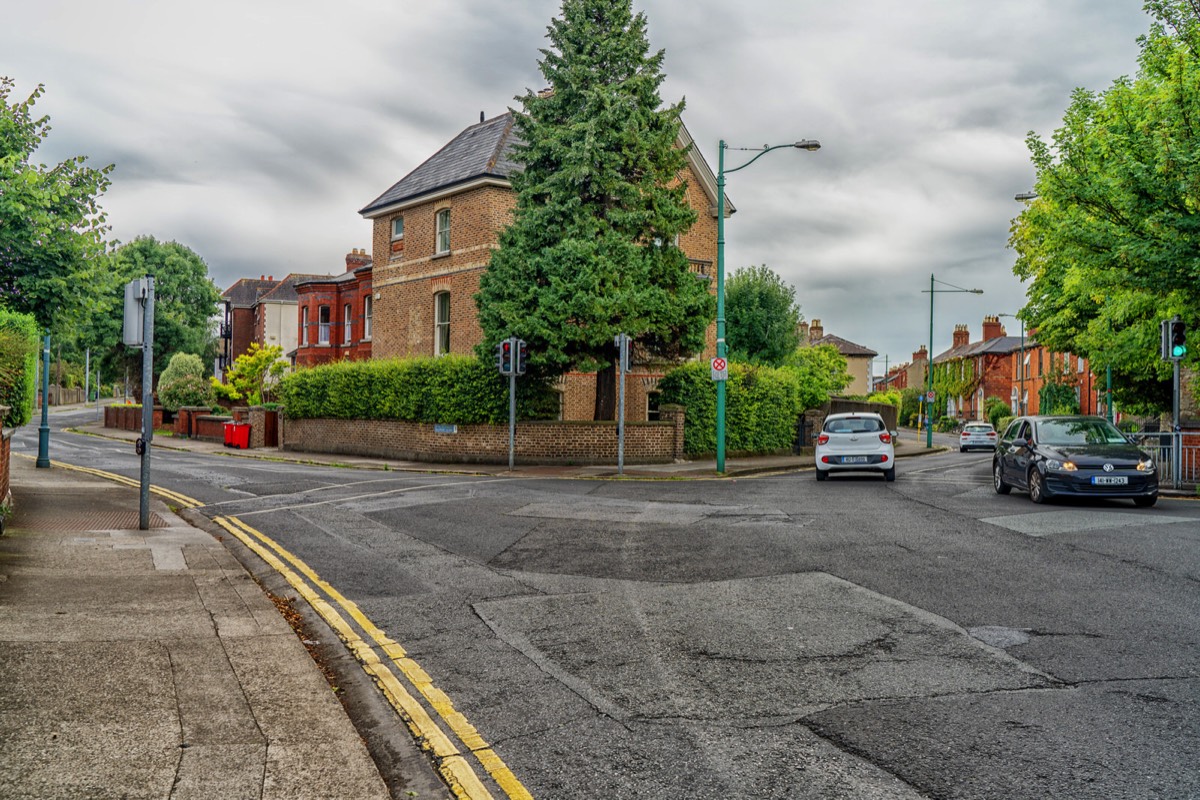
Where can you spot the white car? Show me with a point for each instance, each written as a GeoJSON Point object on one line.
{"type": "Point", "coordinates": [977, 434]}
{"type": "Point", "coordinates": [857, 442]}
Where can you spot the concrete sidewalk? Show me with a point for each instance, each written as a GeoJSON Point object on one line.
{"type": "Point", "coordinates": [148, 664]}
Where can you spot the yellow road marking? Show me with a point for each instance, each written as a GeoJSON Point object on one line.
{"type": "Point", "coordinates": [451, 764]}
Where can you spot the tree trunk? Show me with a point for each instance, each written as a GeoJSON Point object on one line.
{"type": "Point", "coordinates": [606, 393]}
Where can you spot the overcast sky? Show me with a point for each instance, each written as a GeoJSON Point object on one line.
{"type": "Point", "coordinates": [253, 131]}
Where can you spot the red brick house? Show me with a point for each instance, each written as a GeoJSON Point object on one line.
{"type": "Point", "coordinates": [239, 328]}
{"type": "Point", "coordinates": [435, 229]}
{"type": "Point", "coordinates": [985, 366]}
{"type": "Point", "coordinates": [335, 314]}
{"type": "Point", "coordinates": [1040, 366]}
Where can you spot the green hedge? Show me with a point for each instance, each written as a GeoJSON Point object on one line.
{"type": "Point", "coordinates": [18, 366]}
{"type": "Point", "coordinates": [453, 389]}
{"type": "Point", "coordinates": [762, 405]}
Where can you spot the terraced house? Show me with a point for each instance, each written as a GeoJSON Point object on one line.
{"type": "Point", "coordinates": [434, 232]}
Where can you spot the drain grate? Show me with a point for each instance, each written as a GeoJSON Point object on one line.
{"type": "Point", "coordinates": [90, 521]}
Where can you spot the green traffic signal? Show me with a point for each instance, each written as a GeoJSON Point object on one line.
{"type": "Point", "coordinates": [1178, 351]}
{"type": "Point", "coordinates": [1178, 334]}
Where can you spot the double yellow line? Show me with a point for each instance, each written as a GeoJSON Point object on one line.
{"type": "Point", "coordinates": [448, 757]}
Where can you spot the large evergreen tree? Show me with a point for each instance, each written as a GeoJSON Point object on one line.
{"type": "Point", "coordinates": [591, 250]}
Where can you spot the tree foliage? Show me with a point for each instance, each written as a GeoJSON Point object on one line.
{"type": "Point", "coordinates": [591, 249]}
{"type": "Point", "coordinates": [1111, 245]}
{"type": "Point", "coordinates": [761, 316]}
{"type": "Point", "coordinates": [255, 372]}
{"type": "Point", "coordinates": [51, 225]}
{"type": "Point", "coordinates": [823, 373]}
{"type": "Point", "coordinates": [18, 367]}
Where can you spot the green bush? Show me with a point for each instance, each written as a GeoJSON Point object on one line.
{"type": "Point", "coordinates": [454, 389]}
{"type": "Point", "coordinates": [1003, 422]}
{"type": "Point", "coordinates": [185, 390]}
{"type": "Point", "coordinates": [993, 409]}
{"type": "Point", "coordinates": [18, 366]}
{"type": "Point", "coordinates": [761, 409]}
{"type": "Point", "coordinates": [946, 425]}
{"type": "Point", "coordinates": [182, 365]}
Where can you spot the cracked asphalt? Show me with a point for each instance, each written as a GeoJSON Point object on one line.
{"type": "Point", "coordinates": [769, 637]}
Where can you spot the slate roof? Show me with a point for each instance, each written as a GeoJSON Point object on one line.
{"type": "Point", "coordinates": [345, 277]}
{"type": "Point", "coordinates": [844, 346]}
{"type": "Point", "coordinates": [1001, 345]}
{"type": "Point", "coordinates": [245, 293]}
{"type": "Point", "coordinates": [483, 150]}
{"type": "Point", "coordinates": [285, 292]}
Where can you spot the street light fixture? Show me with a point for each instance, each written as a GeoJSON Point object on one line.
{"type": "Point", "coordinates": [929, 369]}
{"type": "Point", "coordinates": [1021, 400]}
{"type": "Point", "coordinates": [810, 145]}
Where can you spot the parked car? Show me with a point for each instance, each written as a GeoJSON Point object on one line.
{"type": "Point", "coordinates": [977, 434]}
{"type": "Point", "coordinates": [855, 442]}
{"type": "Point", "coordinates": [1079, 456]}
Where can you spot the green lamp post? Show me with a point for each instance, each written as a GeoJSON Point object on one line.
{"type": "Point", "coordinates": [929, 369]}
{"type": "Point", "coordinates": [804, 144]}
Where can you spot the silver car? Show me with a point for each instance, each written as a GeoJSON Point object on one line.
{"type": "Point", "coordinates": [855, 442]}
{"type": "Point", "coordinates": [977, 434]}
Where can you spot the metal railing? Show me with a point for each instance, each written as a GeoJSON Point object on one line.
{"type": "Point", "coordinates": [1177, 454]}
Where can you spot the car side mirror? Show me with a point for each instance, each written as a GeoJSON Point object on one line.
{"type": "Point", "coordinates": [1019, 443]}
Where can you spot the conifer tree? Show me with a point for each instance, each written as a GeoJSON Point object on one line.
{"type": "Point", "coordinates": [591, 251]}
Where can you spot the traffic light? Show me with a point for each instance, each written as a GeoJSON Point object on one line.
{"type": "Point", "coordinates": [1178, 338]}
{"type": "Point", "coordinates": [522, 356]}
{"type": "Point", "coordinates": [504, 357]}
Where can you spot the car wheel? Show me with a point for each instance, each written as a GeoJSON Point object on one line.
{"type": "Point", "coordinates": [998, 479]}
{"type": "Point", "coordinates": [1145, 502]}
{"type": "Point", "coordinates": [822, 474]}
{"type": "Point", "coordinates": [962, 449]}
{"type": "Point", "coordinates": [889, 475]}
{"type": "Point", "coordinates": [1037, 487]}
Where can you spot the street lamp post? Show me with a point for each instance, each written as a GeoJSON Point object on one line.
{"type": "Point", "coordinates": [804, 144]}
{"type": "Point", "coordinates": [1021, 399]}
{"type": "Point", "coordinates": [929, 368]}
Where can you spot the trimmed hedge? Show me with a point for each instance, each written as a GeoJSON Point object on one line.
{"type": "Point", "coordinates": [452, 389]}
{"type": "Point", "coordinates": [762, 405]}
{"type": "Point", "coordinates": [18, 366]}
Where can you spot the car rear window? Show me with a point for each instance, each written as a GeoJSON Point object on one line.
{"type": "Point", "coordinates": [853, 425]}
{"type": "Point", "coordinates": [978, 428]}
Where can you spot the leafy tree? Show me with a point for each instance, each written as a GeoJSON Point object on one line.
{"type": "Point", "coordinates": [185, 302]}
{"type": "Point", "coordinates": [823, 373]}
{"type": "Point", "coordinates": [761, 316]}
{"type": "Point", "coordinates": [51, 225]}
{"type": "Point", "coordinates": [255, 372]}
{"type": "Point", "coordinates": [1110, 247]}
{"type": "Point", "coordinates": [182, 383]}
{"type": "Point", "coordinates": [590, 252]}
{"type": "Point", "coordinates": [1057, 396]}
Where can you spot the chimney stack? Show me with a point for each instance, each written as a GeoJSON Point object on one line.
{"type": "Point", "coordinates": [992, 329]}
{"type": "Point", "coordinates": [921, 354]}
{"type": "Point", "coordinates": [962, 336]}
{"type": "Point", "coordinates": [357, 258]}
{"type": "Point", "coordinates": [815, 331]}
{"type": "Point", "coordinates": [802, 331]}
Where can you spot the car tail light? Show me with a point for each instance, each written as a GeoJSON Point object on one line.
{"type": "Point", "coordinates": [824, 459]}
{"type": "Point", "coordinates": [884, 458]}
{"type": "Point", "coordinates": [885, 437]}
{"type": "Point", "coordinates": [823, 438]}
{"type": "Point", "coordinates": [992, 435]}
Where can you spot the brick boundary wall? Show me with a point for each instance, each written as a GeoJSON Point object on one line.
{"type": "Point", "coordinates": [536, 442]}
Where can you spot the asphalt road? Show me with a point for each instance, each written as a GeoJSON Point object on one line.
{"type": "Point", "coordinates": [762, 638]}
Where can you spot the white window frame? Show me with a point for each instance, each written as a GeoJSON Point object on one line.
{"type": "Point", "coordinates": [304, 325]}
{"type": "Point", "coordinates": [322, 324]}
{"type": "Point", "coordinates": [397, 245]}
{"type": "Point", "coordinates": [441, 323]}
{"type": "Point", "coordinates": [368, 310]}
{"type": "Point", "coordinates": [442, 232]}
{"type": "Point", "coordinates": [347, 323]}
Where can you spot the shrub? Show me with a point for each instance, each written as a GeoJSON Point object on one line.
{"type": "Point", "coordinates": [762, 406]}
{"type": "Point", "coordinates": [1003, 422]}
{"type": "Point", "coordinates": [994, 408]}
{"type": "Point", "coordinates": [181, 365]}
{"type": "Point", "coordinates": [455, 389]}
{"type": "Point", "coordinates": [18, 366]}
{"type": "Point", "coordinates": [186, 390]}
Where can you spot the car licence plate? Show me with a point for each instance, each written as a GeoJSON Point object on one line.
{"type": "Point", "coordinates": [1110, 480]}
{"type": "Point", "coordinates": [854, 459]}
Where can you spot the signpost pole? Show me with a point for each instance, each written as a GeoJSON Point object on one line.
{"type": "Point", "coordinates": [147, 403]}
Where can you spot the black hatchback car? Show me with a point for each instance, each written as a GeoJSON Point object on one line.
{"type": "Point", "coordinates": [1076, 456]}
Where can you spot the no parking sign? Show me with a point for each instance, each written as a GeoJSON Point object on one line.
{"type": "Point", "coordinates": [720, 369]}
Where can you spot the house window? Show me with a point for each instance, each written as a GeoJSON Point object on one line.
{"type": "Point", "coordinates": [397, 236]}
{"type": "Point", "coordinates": [323, 325]}
{"type": "Point", "coordinates": [443, 231]}
{"type": "Point", "coordinates": [441, 323]}
{"type": "Point", "coordinates": [1039, 363]}
{"type": "Point", "coordinates": [304, 325]}
{"type": "Point", "coordinates": [367, 303]}
{"type": "Point", "coordinates": [347, 323]}
{"type": "Point", "coordinates": [653, 400]}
